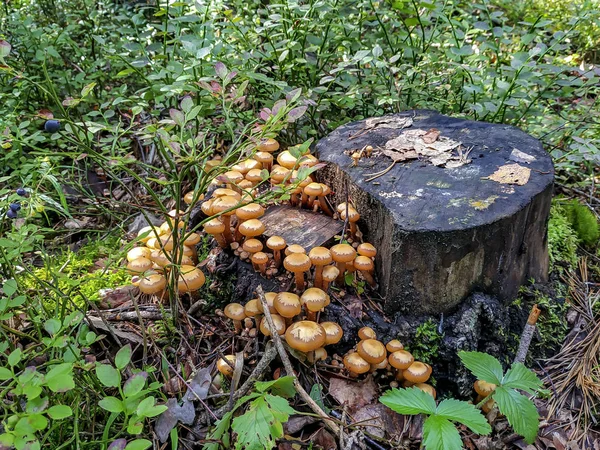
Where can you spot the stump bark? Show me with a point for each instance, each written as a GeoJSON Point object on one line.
{"type": "Point", "coordinates": [443, 233]}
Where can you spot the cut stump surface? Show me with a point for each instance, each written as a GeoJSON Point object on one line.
{"type": "Point", "coordinates": [442, 231]}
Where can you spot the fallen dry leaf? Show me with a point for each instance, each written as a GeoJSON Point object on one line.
{"type": "Point", "coordinates": [324, 439]}
{"type": "Point", "coordinates": [431, 136]}
{"type": "Point", "coordinates": [370, 417]}
{"type": "Point", "coordinates": [511, 174]}
{"type": "Point", "coordinates": [388, 122]}
{"type": "Point", "coordinates": [522, 157]}
{"type": "Point", "coordinates": [353, 395]}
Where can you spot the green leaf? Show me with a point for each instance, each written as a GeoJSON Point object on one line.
{"type": "Point", "coordinates": [283, 386]}
{"type": "Point", "coordinates": [87, 89]}
{"type": "Point", "coordinates": [5, 374]}
{"type": "Point", "coordinates": [464, 413]}
{"type": "Point", "coordinates": [520, 377]}
{"type": "Point", "coordinates": [59, 378]}
{"type": "Point", "coordinates": [123, 357]}
{"type": "Point", "coordinates": [135, 384]}
{"type": "Point", "coordinates": [440, 434]}
{"type": "Point", "coordinates": [520, 411]}
{"type": "Point", "coordinates": [135, 425]}
{"type": "Point", "coordinates": [145, 406]}
{"type": "Point", "coordinates": [10, 286]}
{"type": "Point", "coordinates": [58, 412]}
{"type": "Point", "coordinates": [316, 393]}
{"type": "Point", "coordinates": [139, 444]}
{"type": "Point", "coordinates": [108, 375]}
{"type": "Point", "coordinates": [111, 404]}
{"type": "Point", "coordinates": [38, 421]}
{"type": "Point", "coordinates": [485, 367]}
{"type": "Point", "coordinates": [15, 357]}
{"type": "Point", "coordinates": [52, 326]}
{"type": "Point", "coordinates": [408, 401]}
{"type": "Point", "coordinates": [220, 433]}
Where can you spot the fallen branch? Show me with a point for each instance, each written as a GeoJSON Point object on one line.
{"type": "Point", "coordinates": [329, 422]}
{"type": "Point", "coordinates": [133, 316]}
{"type": "Point", "coordinates": [527, 335]}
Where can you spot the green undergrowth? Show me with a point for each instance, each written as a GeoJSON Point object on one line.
{"type": "Point", "coordinates": [562, 239]}
{"type": "Point", "coordinates": [425, 345]}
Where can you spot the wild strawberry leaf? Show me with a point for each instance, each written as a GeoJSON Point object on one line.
{"type": "Point", "coordinates": [485, 367]}
{"type": "Point", "coordinates": [409, 401]}
{"type": "Point", "coordinates": [520, 377]}
{"type": "Point", "coordinates": [440, 434]}
{"type": "Point", "coordinates": [464, 413]}
{"type": "Point", "coordinates": [520, 411]}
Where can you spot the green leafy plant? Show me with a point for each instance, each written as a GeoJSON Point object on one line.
{"type": "Point", "coordinates": [262, 422]}
{"type": "Point", "coordinates": [562, 238]}
{"type": "Point", "coordinates": [583, 222]}
{"type": "Point", "coordinates": [426, 343]}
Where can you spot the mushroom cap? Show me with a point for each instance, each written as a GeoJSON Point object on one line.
{"type": "Point", "coordinates": [245, 184]}
{"type": "Point", "coordinates": [190, 279]}
{"type": "Point", "coordinates": [268, 145]}
{"type": "Point", "coordinates": [484, 388]}
{"type": "Point", "coordinates": [380, 365]}
{"type": "Point", "coordinates": [235, 311]}
{"type": "Point", "coordinates": [152, 284]}
{"type": "Point", "coordinates": [330, 273]}
{"type": "Point", "coordinates": [313, 189]}
{"type": "Point", "coordinates": [320, 256]}
{"type": "Point", "coordinates": [251, 308]}
{"type": "Point", "coordinates": [427, 388]}
{"type": "Point", "coordinates": [254, 175]}
{"type": "Point", "coordinates": [260, 258]}
{"type": "Point", "coordinates": [146, 233]}
{"type": "Point", "coordinates": [319, 354]}
{"type": "Point", "coordinates": [206, 206]}
{"type": "Point", "coordinates": [307, 160]}
{"type": "Point", "coordinates": [286, 159]}
{"type": "Point", "coordinates": [278, 321]}
{"type": "Point", "coordinates": [222, 192]}
{"type": "Point", "coordinates": [353, 215]}
{"type": "Point", "coordinates": [270, 298]}
{"type": "Point", "coordinates": [263, 157]}
{"type": "Point", "coordinates": [401, 359]}
{"type": "Point", "coordinates": [189, 197]}
{"type": "Point", "coordinates": [417, 372]}
{"type": "Point", "coordinates": [138, 252]}
{"type": "Point", "coordinates": [278, 173]}
{"type": "Point", "coordinates": [215, 162]}
{"type": "Point", "coordinates": [250, 211]}
{"type": "Point", "coordinates": [294, 248]}
{"type": "Point", "coordinates": [334, 332]}
{"type": "Point", "coordinates": [356, 364]}
{"type": "Point", "coordinates": [366, 333]}
{"type": "Point", "coordinates": [314, 299]}
{"type": "Point", "coordinates": [252, 246]}
{"type": "Point", "coordinates": [371, 350]}
{"type": "Point", "coordinates": [326, 189]}
{"type": "Point", "coordinates": [394, 345]}
{"type": "Point", "coordinates": [296, 262]}
{"type": "Point", "coordinates": [363, 263]}
{"type": "Point", "coordinates": [214, 226]}
{"type": "Point", "coordinates": [276, 243]}
{"type": "Point", "coordinates": [287, 304]}
{"type": "Point", "coordinates": [225, 368]}
{"type": "Point", "coordinates": [191, 239]}
{"type": "Point", "coordinates": [343, 253]}
{"type": "Point", "coordinates": [166, 241]}
{"type": "Point", "coordinates": [223, 205]}
{"type": "Point", "coordinates": [139, 265]}
{"type": "Point", "coordinates": [342, 207]}
{"type": "Point", "coordinates": [232, 176]}
{"type": "Point", "coordinates": [366, 249]}
{"type": "Point", "coordinates": [305, 336]}
{"type": "Point", "coordinates": [252, 228]}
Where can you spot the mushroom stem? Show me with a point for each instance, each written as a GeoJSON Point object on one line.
{"type": "Point", "coordinates": [325, 207]}
{"type": "Point", "coordinates": [277, 258]}
{"type": "Point", "coordinates": [319, 277]}
{"type": "Point", "coordinates": [294, 199]}
{"type": "Point", "coordinates": [238, 326]}
{"type": "Point", "coordinates": [368, 277]}
{"type": "Point", "coordinates": [353, 229]}
{"type": "Point", "coordinates": [311, 201]}
{"type": "Point", "coordinates": [311, 315]}
{"type": "Point", "coordinates": [262, 268]}
{"type": "Point", "coordinates": [304, 200]}
{"type": "Point", "coordinates": [342, 268]}
{"type": "Point", "coordinates": [237, 237]}
{"type": "Point", "coordinates": [325, 285]}
{"type": "Point", "coordinates": [299, 280]}
{"type": "Point", "coordinates": [220, 240]}
{"type": "Point", "coordinates": [227, 232]}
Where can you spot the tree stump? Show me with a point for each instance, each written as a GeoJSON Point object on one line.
{"type": "Point", "coordinates": [444, 231]}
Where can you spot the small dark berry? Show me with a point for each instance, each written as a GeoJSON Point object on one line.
{"type": "Point", "coordinates": [52, 126]}
{"type": "Point", "coordinates": [22, 192]}
{"type": "Point", "coordinates": [15, 206]}
{"type": "Point", "coordinates": [11, 214]}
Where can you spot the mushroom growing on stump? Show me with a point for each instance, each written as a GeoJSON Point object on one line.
{"type": "Point", "coordinates": [322, 200]}
{"type": "Point", "coordinates": [153, 284]}
{"type": "Point", "coordinates": [216, 228]}
{"type": "Point", "coordinates": [287, 305]}
{"type": "Point", "coordinates": [247, 212]}
{"type": "Point", "coordinates": [252, 228]}
{"type": "Point", "coordinates": [427, 388]}
{"type": "Point", "coordinates": [138, 252]}
{"type": "Point", "coordinates": [232, 178]}
{"type": "Point", "coordinates": [330, 273]}
{"type": "Point", "coordinates": [252, 246]}
{"type": "Point", "coordinates": [305, 336]}
{"type": "Point", "coordinates": [355, 364]}
{"type": "Point", "coordinates": [226, 367]}
{"type": "Point", "coordinates": [277, 244]}
{"type": "Point", "coordinates": [270, 297]}
{"type": "Point", "coordinates": [190, 279]}
{"type": "Point", "coordinates": [366, 249]}
{"type": "Point", "coordinates": [417, 372]}
{"type": "Point", "coordinates": [313, 299]}
{"type": "Point", "coordinates": [279, 174]}
{"type": "Point", "coordinates": [286, 159]}
{"type": "Point", "coordinates": [353, 217]}
{"type": "Point", "coordinates": [313, 190]}
{"type": "Point", "coordinates": [268, 145]}
{"type": "Point", "coordinates": [224, 206]}
{"type": "Point", "coordinates": [371, 350]}
{"type": "Point", "coordinates": [366, 333]}
{"type": "Point", "coordinates": [319, 257]}
{"type": "Point", "coordinates": [401, 359]}
{"type": "Point", "coordinates": [297, 263]}
{"type": "Point", "coordinates": [278, 321]}
{"type": "Point", "coordinates": [259, 261]}
{"type": "Point", "coordinates": [139, 266]}
{"type": "Point", "coordinates": [235, 312]}
{"type": "Point", "coordinates": [365, 265]}
{"type": "Point", "coordinates": [394, 345]}
{"type": "Point", "coordinates": [342, 254]}
{"type": "Point", "coordinates": [294, 248]}
{"type": "Point", "coordinates": [254, 176]}
{"type": "Point", "coordinates": [333, 331]}
{"type": "Point", "coordinates": [265, 158]}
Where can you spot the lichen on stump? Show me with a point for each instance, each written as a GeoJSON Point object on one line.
{"type": "Point", "coordinates": [444, 231]}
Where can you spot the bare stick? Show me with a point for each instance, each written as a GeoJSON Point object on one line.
{"type": "Point", "coordinates": [527, 335]}
{"type": "Point", "coordinates": [289, 369]}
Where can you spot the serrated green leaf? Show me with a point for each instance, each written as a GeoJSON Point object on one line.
{"type": "Point", "coordinates": [440, 434]}
{"type": "Point", "coordinates": [408, 401]}
{"type": "Point", "coordinates": [520, 377]}
{"type": "Point", "coordinates": [123, 357]}
{"type": "Point", "coordinates": [220, 433]}
{"type": "Point", "coordinates": [58, 412]}
{"type": "Point", "coordinates": [521, 412]}
{"type": "Point", "coordinates": [283, 386]}
{"type": "Point", "coordinates": [108, 375]}
{"type": "Point", "coordinates": [464, 413]}
{"type": "Point", "coordinates": [111, 404]}
{"type": "Point", "coordinates": [280, 407]}
{"type": "Point", "coordinates": [485, 367]}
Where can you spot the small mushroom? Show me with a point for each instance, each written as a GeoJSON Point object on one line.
{"type": "Point", "coordinates": [484, 388]}
{"type": "Point", "coordinates": [353, 217]}
{"type": "Point", "coordinates": [319, 354]}
{"type": "Point", "coordinates": [252, 246]}
{"type": "Point", "coordinates": [342, 254]}
{"type": "Point", "coordinates": [294, 248]}
{"type": "Point", "coordinates": [487, 406]}
{"type": "Point", "coordinates": [297, 263]}
{"type": "Point", "coordinates": [278, 321]}
{"type": "Point", "coordinates": [319, 257]}
{"type": "Point", "coordinates": [279, 174]}
{"type": "Point", "coordinates": [235, 312]}
{"type": "Point", "coordinates": [313, 299]}
{"type": "Point", "coordinates": [322, 200]}
{"type": "Point", "coordinates": [139, 265]}
{"type": "Point", "coordinates": [333, 331]}
{"type": "Point", "coordinates": [313, 190]}
{"type": "Point", "coordinates": [216, 228]}
{"type": "Point", "coordinates": [147, 233]}
{"type": "Point", "coordinates": [417, 372]}
{"type": "Point", "coordinates": [355, 364]}
{"type": "Point", "coordinates": [427, 388]}
{"type": "Point", "coordinates": [270, 297]}
{"type": "Point", "coordinates": [251, 310]}
{"type": "Point", "coordinates": [225, 206]}
{"type": "Point", "coordinates": [252, 228]}
{"type": "Point", "coordinates": [153, 284]}
{"type": "Point", "coordinates": [401, 359]}
{"type": "Point", "coordinates": [365, 265]}
{"type": "Point", "coordinates": [226, 367]}
{"type": "Point", "coordinates": [232, 178]}
{"type": "Point", "coordinates": [277, 244]}
{"type": "Point", "coordinates": [329, 274]}
{"type": "Point", "coordinates": [305, 336]}
{"type": "Point", "coordinates": [191, 239]}
{"type": "Point", "coordinates": [366, 333]}
{"type": "Point", "coordinates": [268, 145]}
{"type": "Point", "coordinates": [366, 249]}
{"type": "Point", "coordinates": [247, 212]}
{"type": "Point", "coordinates": [394, 345]}
{"type": "Point", "coordinates": [265, 158]}
{"type": "Point", "coordinates": [254, 176]}
{"type": "Point", "coordinates": [287, 305]}
{"type": "Point", "coordinates": [371, 350]}
{"type": "Point", "coordinates": [260, 260]}
{"type": "Point", "coordinates": [379, 366]}
{"type": "Point", "coordinates": [286, 159]}
{"type": "Point", "coordinates": [138, 252]}
{"type": "Point", "coordinates": [190, 279]}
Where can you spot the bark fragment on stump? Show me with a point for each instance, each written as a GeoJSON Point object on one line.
{"type": "Point", "coordinates": [443, 233]}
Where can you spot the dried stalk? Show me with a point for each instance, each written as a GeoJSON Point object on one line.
{"type": "Point", "coordinates": [527, 335]}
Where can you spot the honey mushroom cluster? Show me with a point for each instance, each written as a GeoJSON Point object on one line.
{"type": "Point", "coordinates": [150, 264]}
{"type": "Point", "coordinates": [483, 390]}
{"type": "Point", "coordinates": [371, 355]}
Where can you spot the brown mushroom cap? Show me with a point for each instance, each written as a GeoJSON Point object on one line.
{"type": "Point", "coordinates": [268, 145]}
{"type": "Point", "coordinates": [427, 388]}
{"type": "Point", "coordinates": [334, 332]}
{"type": "Point", "coordinates": [417, 372]}
{"type": "Point", "coordinates": [314, 299]}
{"type": "Point", "coordinates": [259, 258]}
{"type": "Point", "coordinates": [252, 246]}
{"type": "Point", "coordinates": [287, 304]}
{"type": "Point", "coordinates": [250, 211]}
{"type": "Point", "coordinates": [222, 192]}
{"type": "Point", "coordinates": [286, 159]}
{"type": "Point", "coordinates": [356, 364]}
{"type": "Point", "coordinates": [313, 189]}
{"type": "Point", "coordinates": [394, 345]}
{"type": "Point", "coordinates": [353, 215]}
{"type": "Point", "coordinates": [343, 253]}
{"type": "Point", "coordinates": [366, 333]}
{"type": "Point", "coordinates": [366, 249]}
{"type": "Point", "coordinates": [190, 279]}
{"type": "Point", "coordinates": [270, 298]}
{"type": "Point", "coordinates": [364, 263]}
{"type": "Point", "coordinates": [278, 321]}
{"type": "Point", "coordinates": [138, 252]}
{"type": "Point", "coordinates": [371, 350]}
{"type": "Point", "coordinates": [294, 248]}
{"type": "Point", "coordinates": [330, 273]}
{"type": "Point", "coordinates": [232, 176]}
{"type": "Point", "coordinates": [484, 388]}
{"type": "Point", "coordinates": [235, 311]}
{"type": "Point", "coordinates": [254, 176]}
{"type": "Point", "coordinates": [264, 157]}
{"type": "Point", "coordinates": [152, 284]}
{"type": "Point", "coordinates": [225, 368]}
{"type": "Point", "coordinates": [401, 359]}
{"type": "Point", "coordinates": [146, 233]}
{"type": "Point", "coordinates": [308, 160]}
{"type": "Point", "coordinates": [296, 262]}
{"type": "Point", "coordinates": [139, 265]}
{"type": "Point", "coordinates": [252, 228]}
{"type": "Point", "coordinates": [276, 243]}
{"type": "Point", "coordinates": [251, 308]}
{"type": "Point", "coordinates": [319, 354]}
{"type": "Point", "coordinates": [279, 173]}
{"type": "Point", "coordinates": [214, 226]}
{"type": "Point", "coordinates": [320, 256]}
{"type": "Point", "coordinates": [305, 336]}
{"type": "Point", "coordinates": [206, 206]}
{"type": "Point", "coordinates": [223, 205]}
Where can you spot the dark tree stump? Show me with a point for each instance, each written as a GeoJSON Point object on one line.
{"type": "Point", "coordinates": [443, 233]}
